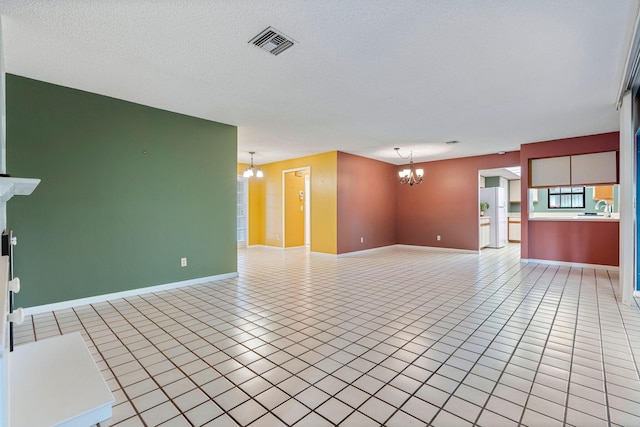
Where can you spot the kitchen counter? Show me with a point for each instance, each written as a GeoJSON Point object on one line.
{"type": "Point", "coordinates": [570, 216]}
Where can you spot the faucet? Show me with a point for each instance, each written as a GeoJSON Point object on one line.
{"type": "Point", "coordinates": [608, 208]}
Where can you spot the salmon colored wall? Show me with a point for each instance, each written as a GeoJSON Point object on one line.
{"type": "Point", "coordinates": [546, 240]}
{"type": "Point", "coordinates": [366, 203]}
{"type": "Point", "coordinates": [591, 242]}
{"type": "Point", "coordinates": [446, 203]}
{"type": "Point", "coordinates": [293, 210]}
{"type": "Point", "coordinates": [323, 201]}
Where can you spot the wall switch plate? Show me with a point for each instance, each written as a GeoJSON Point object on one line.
{"type": "Point", "coordinates": [183, 262]}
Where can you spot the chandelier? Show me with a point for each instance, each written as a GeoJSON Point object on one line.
{"type": "Point", "coordinates": [409, 176]}
{"type": "Point", "coordinates": [248, 173]}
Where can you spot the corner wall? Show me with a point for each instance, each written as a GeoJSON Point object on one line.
{"type": "Point", "coordinates": [446, 203]}
{"type": "Point", "coordinates": [366, 203]}
{"type": "Point", "coordinates": [323, 202]}
{"type": "Point", "coordinates": [127, 190]}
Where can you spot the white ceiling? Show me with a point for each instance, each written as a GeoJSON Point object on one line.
{"type": "Point", "coordinates": [366, 75]}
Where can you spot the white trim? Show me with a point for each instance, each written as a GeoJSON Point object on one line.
{"type": "Point", "coordinates": [636, 294]}
{"type": "Point", "coordinates": [629, 71]}
{"type": "Point", "coordinates": [123, 294]}
{"type": "Point", "coordinates": [284, 171]}
{"type": "Point", "coordinates": [295, 247]}
{"type": "Point", "coordinates": [626, 200]}
{"type": "Point", "coordinates": [380, 248]}
{"type": "Point", "coordinates": [571, 264]}
{"type": "Point", "coordinates": [323, 254]}
{"type": "Point", "coordinates": [437, 248]}
{"type": "Point", "coordinates": [264, 247]}
{"type": "Point", "coordinates": [364, 251]}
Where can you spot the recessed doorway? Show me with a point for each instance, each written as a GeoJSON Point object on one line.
{"type": "Point", "coordinates": [296, 203]}
{"type": "Point", "coordinates": [499, 207]}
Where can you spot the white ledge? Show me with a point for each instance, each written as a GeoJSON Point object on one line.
{"type": "Point", "coordinates": [10, 186]}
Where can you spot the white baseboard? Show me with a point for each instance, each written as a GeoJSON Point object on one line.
{"type": "Point", "coordinates": [322, 254]}
{"type": "Point", "coordinates": [437, 248]}
{"type": "Point", "coordinates": [364, 251]}
{"type": "Point", "coordinates": [429, 248]}
{"type": "Point", "coordinates": [572, 264]}
{"type": "Point", "coordinates": [123, 294]}
{"type": "Point", "coordinates": [264, 247]}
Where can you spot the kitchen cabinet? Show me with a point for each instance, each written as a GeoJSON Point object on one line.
{"type": "Point", "coordinates": [551, 172]}
{"type": "Point", "coordinates": [514, 191]}
{"type": "Point", "coordinates": [578, 170]}
{"type": "Point", "coordinates": [485, 231]}
{"type": "Point", "coordinates": [603, 192]}
{"type": "Point", "coordinates": [514, 229]}
{"type": "Point", "coordinates": [595, 168]}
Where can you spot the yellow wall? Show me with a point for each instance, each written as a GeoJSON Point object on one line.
{"type": "Point", "coordinates": [293, 209]}
{"type": "Point", "coordinates": [265, 202]}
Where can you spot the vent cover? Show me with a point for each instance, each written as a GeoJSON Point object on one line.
{"type": "Point", "coordinates": [272, 41]}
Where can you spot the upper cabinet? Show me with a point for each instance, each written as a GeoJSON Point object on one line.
{"type": "Point", "coordinates": [603, 192]}
{"type": "Point", "coordinates": [514, 191]}
{"type": "Point", "coordinates": [597, 168]}
{"type": "Point", "coordinates": [583, 169]}
{"type": "Point", "coordinates": [551, 172]}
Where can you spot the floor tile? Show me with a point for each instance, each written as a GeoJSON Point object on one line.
{"type": "Point", "coordinates": [397, 336]}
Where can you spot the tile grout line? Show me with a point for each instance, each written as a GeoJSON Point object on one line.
{"type": "Point", "coordinates": [451, 355]}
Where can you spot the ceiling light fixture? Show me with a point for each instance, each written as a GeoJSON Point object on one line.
{"type": "Point", "coordinates": [409, 176]}
{"type": "Point", "coordinates": [249, 172]}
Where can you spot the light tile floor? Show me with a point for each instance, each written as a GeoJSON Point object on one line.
{"type": "Point", "coordinates": [397, 337]}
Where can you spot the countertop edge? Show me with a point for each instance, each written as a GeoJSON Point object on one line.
{"type": "Point", "coordinates": [576, 220]}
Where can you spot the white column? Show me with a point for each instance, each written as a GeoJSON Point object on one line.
{"type": "Point", "coordinates": [3, 133]}
{"type": "Point", "coordinates": [4, 357]}
{"type": "Point", "coordinates": [627, 200]}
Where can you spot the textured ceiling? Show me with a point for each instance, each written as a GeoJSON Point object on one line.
{"type": "Point", "coordinates": [365, 77]}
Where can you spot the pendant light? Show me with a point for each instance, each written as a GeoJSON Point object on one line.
{"type": "Point", "coordinates": [249, 172]}
{"type": "Point", "coordinates": [410, 176]}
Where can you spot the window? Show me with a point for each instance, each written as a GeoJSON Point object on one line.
{"type": "Point", "coordinates": [242, 213]}
{"type": "Point", "coordinates": [566, 198]}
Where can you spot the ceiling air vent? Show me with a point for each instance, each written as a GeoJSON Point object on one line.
{"type": "Point", "coordinates": [272, 41]}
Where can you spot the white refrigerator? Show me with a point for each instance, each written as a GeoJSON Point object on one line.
{"type": "Point", "coordinates": [497, 199]}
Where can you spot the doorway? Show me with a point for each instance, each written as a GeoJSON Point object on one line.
{"type": "Point", "coordinates": [499, 207]}
{"type": "Point", "coordinates": [296, 207]}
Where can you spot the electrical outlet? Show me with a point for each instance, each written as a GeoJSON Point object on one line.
{"type": "Point", "coordinates": [183, 262]}
{"type": "Point", "coordinates": [277, 237]}
{"type": "Point", "coordinates": [438, 237]}
{"type": "Point", "coordinates": [362, 240]}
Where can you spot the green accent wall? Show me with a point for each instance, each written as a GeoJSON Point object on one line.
{"type": "Point", "coordinates": [491, 181]}
{"type": "Point", "coordinates": [127, 190]}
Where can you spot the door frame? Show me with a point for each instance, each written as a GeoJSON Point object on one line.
{"type": "Point", "coordinates": [307, 203]}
